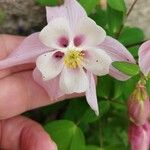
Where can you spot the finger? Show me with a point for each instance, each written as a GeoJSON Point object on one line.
{"type": "Point", "coordinates": [20, 133]}
{"type": "Point", "coordinates": [8, 43]}
{"type": "Point", "coordinates": [20, 93]}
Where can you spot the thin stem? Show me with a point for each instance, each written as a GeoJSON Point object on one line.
{"type": "Point", "coordinates": [127, 15]}
{"type": "Point", "coordinates": [120, 30]}
{"type": "Point", "coordinates": [131, 8]}
{"type": "Point", "coordinates": [100, 133]}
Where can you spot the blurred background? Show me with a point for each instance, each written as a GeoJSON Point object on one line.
{"type": "Point", "coordinates": [24, 17]}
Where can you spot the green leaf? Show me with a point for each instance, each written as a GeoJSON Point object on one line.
{"type": "Point", "coordinates": [108, 87]}
{"type": "Point", "coordinates": [104, 107]}
{"type": "Point", "coordinates": [100, 17]}
{"type": "Point", "coordinates": [115, 20]}
{"type": "Point", "coordinates": [127, 68]}
{"type": "Point", "coordinates": [134, 51]}
{"type": "Point", "coordinates": [47, 2]}
{"type": "Point", "coordinates": [118, 5]}
{"type": "Point", "coordinates": [89, 5]}
{"type": "Point", "coordinates": [130, 36]}
{"type": "Point", "coordinates": [84, 115]}
{"type": "Point", "coordinates": [92, 147]}
{"type": "Point", "coordinates": [89, 116]}
{"type": "Point", "coordinates": [66, 135]}
{"type": "Point", "coordinates": [148, 86]}
{"type": "Point", "coordinates": [129, 86]}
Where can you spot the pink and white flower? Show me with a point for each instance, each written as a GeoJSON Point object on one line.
{"type": "Point", "coordinates": [144, 58]}
{"type": "Point", "coordinates": [68, 52]}
{"type": "Point", "coordinates": [139, 136]}
{"type": "Point", "coordinates": [139, 105]}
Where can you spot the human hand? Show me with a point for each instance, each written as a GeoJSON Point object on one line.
{"type": "Point", "coordinates": [19, 93]}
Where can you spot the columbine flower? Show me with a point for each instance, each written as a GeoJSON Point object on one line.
{"type": "Point", "coordinates": [139, 105]}
{"type": "Point", "coordinates": [75, 53]}
{"type": "Point", "coordinates": [68, 52]}
{"type": "Point", "coordinates": [139, 136]}
{"type": "Point", "coordinates": [144, 58]}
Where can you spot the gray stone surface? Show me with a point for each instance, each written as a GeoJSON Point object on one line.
{"type": "Point", "coordinates": [140, 16]}
{"type": "Point", "coordinates": [20, 14]}
{"type": "Point", "coordinates": [26, 14]}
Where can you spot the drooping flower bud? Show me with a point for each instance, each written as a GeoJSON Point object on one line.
{"type": "Point", "coordinates": [139, 105]}
{"type": "Point", "coordinates": [139, 136]}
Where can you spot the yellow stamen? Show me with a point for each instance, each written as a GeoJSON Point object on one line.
{"type": "Point", "coordinates": [73, 58]}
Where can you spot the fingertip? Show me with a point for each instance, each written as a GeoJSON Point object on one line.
{"type": "Point", "coordinates": [52, 146]}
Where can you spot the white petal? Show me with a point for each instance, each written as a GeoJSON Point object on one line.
{"type": "Point", "coordinates": [97, 61]}
{"type": "Point", "coordinates": [73, 80]}
{"type": "Point", "coordinates": [49, 66]}
{"type": "Point", "coordinates": [91, 94]}
{"type": "Point", "coordinates": [54, 31]}
{"type": "Point", "coordinates": [70, 10]}
{"type": "Point", "coordinates": [92, 34]}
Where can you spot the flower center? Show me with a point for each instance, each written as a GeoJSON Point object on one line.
{"type": "Point", "coordinates": [73, 58]}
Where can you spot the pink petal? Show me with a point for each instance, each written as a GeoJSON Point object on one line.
{"type": "Point", "coordinates": [139, 137]}
{"type": "Point", "coordinates": [139, 105]}
{"type": "Point", "coordinates": [27, 52]}
{"type": "Point", "coordinates": [71, 10]}
{"type": "Point", "coordinates": [118, 53]}
{"type": "Point", "coordinates": [144, 58]}
{"type": "Point", "coordinates": [91, 93]}
{"type": "Point", "coordinates": [51, 87]}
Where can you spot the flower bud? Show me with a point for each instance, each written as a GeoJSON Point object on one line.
{"type": "Point", "coordinates": [139, 136]}
{"type": "Point", "coordinates": [139, 105]}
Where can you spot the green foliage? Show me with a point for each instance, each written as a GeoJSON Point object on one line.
{"type": "Point", "coordinates": [130, 36]}
{"type": "Point", "coordinates": [129, 86]}
{"type": "Point", "coordinates": [127, 68]}
{"type": "Point", "coordinates": [100, 17]}
{"type": "Point", "coordinates": [92, 147]}
{"type": "Point", "coordinates": [47, 2]}
{"type": "Point", "coordinates": [108, 87]}
{"type": "Point", "coordinates": [89, 5]}
{"type": "Point", "coordinates": [66, 134]}
{"type": "Point", "coordinates": [148, 86]}
{"type": "Point", "coordinates": [118, 5]}
{"type": "Point", "coordinates": [116, 11]}
{"type": "Point", "coordinates": [134, 50]}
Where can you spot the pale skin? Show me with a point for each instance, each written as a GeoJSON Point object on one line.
{"type": "Point", "coordinates": [19, 93]}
